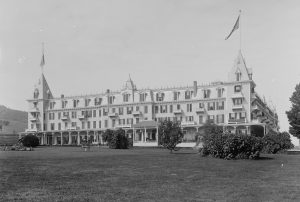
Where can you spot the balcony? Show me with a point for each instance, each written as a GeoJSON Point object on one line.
{"type": "Point", "coordinates": [31, 130]}
{"type": "Point", "coordinates": [200, 110]}
{"type": "Point", "coordinates": [34, 110]}
{"type": "Point", "coordinates": [72, 128]}
{"type": "Point", "coordinates": [64, 118]}
{"type": "Point", "coordinates": [177, 111]}
{"type": "Point", "coordinates": [242, 120]}
{"type": "Point", "coordinates": [188, 123]}
{"type": "Point", "coordinates": [81, 117]}
{"type": "Point", "coordinates": [113, 114]}
{"type": "Point", "coordinates": [237, 95]}
{"type": "Point", "coordinates": [33, 119]}
{"type": "Point", "coordinates": [136, 113]}
{"type": "Point", "coordinates": [237, 107]}
{"type": "Point", "coordinates": [124, 126]}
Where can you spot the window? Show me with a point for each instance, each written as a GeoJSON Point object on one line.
{"type": "Point", "coordinates": [88, 125]}
{"type": "Point", "coordinates": [82, 125]}
{"type": "Point", "coordinates": [105, 111]}
{"type": "Point", "coordinates": [58, 115]}
{"type": "Point", "coordinates": [89, 113]}
{"type": "Point", "coordinates": [201, 120]}
{"type": "Point", "coordinates": [237, 101]}
{"type": "Point", "coordinates": [111, 99]}
{"type": "Point", "coordinates": [145, 109]}
{"type": "Point", "coordinates": [87, 102]}
{"type": "Point", "coordinates": [97, 101]}
{"type": "Point", "coordinates": [94, 124]}
{"type": "Point", "coordinates": [211, 118]}
{"type": "Point", "coordinates": [163, 109]}
{"type": "Point", "coordinates": [121, 110]}
{"type": "Point", "coordinates": [220, 92]}
{"type": "Point", "coordinates": [242, 115]}
{"type": "Point", "coordinates": [66, 125]}
{"type": "Point", "coordinates": [143, 97]}
{"type": "Point", "coordinates": [176, 96]}
{"type": "Point", "coordinates": [178, 107]}
{"type": "Point", "coordinates": [189, 118]}
{"type": "Point", "coordinates": [64, 103]}
{"type": "Point", "coordinates": [206, 93]}
{"type": "Point", "coordinates": [52, 126]}
{"type": "Point", "coordinates": [113, 110]}
{"type": "Point", "coordinates": [237, 88]}
{"type": "Point", "coordinates": [201, 105]}
{"type": "Point", "coordinates": [126, 97]}
{"type": "Point", "coordinates": [160, 97]}
{"type": "Point", "coordinates": [155, 109]}
{"type": "Point", "coordinates": [75, 103]}
{"type": "Point", "coordinates": [220, 105]}
{"type": "Point", "coordinates": [129, 121]}
{"type": "Point", "coordinates": [238, 76]}
{"type": "Point", "coordinates": [99, 112]}
{"type": "Point", "coordinates": [106, 123]}
{"type": "Point", "coordinates": [129, 110]}
{"type": "Point", "coordinates": [137, 108]}
{"type": "Point", "coordinates": [99, 124]}
{"type": "Point", "coordinates": [113, 122]}
{"type": "Point", "coordinates": [211, 106]}
{"type": "Point", "coordinates": [52, 105]}
{"type": "Point", "coordinates": [73, 124]}
{"type": "Point", "coordinates": [188, 94]}
{"type": "Point", "coordinates": [74, 115]}
{"type": "Point", "coordinates": [220, 118]}
{"type": "Point", "coordinates": [171, 108]}
{"type": "Point", "coordinates": [59, 126]}
{"type": "Point", "coordinates": [137, 120]}
{"type": "Point", "coordinates": [189, 107]}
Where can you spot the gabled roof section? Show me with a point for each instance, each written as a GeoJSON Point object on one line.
{"type": "Point", "coordinates": [240, 67]}
{"type": "Point", "coordinates": [129, 85]}
{"type": "Point", "coordinates": [42, 90]}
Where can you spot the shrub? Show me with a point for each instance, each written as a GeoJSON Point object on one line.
{"type": "Point", "coordinates": [30, 141]}
{"type": "Point", "coordinates": [231, 146]}
{"type": "Point", "coordinates": [276, 142]}
{"type": "Point", "coordinates": [116, 139]}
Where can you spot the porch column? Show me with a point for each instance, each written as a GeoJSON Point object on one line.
{"type": "Point", "coordinates": [94, 138]}
{"type": "Point", "coordinates": [52, 142]}
{"type": "Point", "coordinates": [234, 129]}
{"type": "Point", "coordinates": [61, 138]}
{"type": "Point", "coordinates": [78, 138]}
{"type": "Point", "coordinates": [55, 140]}
{"type": "Point", "coordinates": [87, 136]}
{"type": "Point", "coordinates": [156, 134]}
{"type": "Point", "coordinates": [101, 138]}
{"type": "Point", "coordinates": [145, 133]}
{"type": "Point", "coordinates": [247, 130]}
{"type": "Point", "coordinates": [133, 134]}
{"type": "Point", "coordinates": [70, 139]}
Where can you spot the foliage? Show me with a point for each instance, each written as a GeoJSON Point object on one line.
{"type": "Point", "coordinates": [294, 113]}
{"type": "Point", "coordinates": [211, 128]}
{"type": "Point", "coordinates": [30, 141]}
{"type": "Point", "coordinates": [276, 142]}
{"type": "Point", "coordinates": [116, 139]}
{"type": "Point", "coordinates": [231, 146]}
{"type": "Point", "coordinates": [169, 134]}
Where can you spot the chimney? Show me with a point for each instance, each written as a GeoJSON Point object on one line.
{"type": "Point", "coordinates": [195, 88]}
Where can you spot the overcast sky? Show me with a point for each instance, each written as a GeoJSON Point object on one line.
{"type": "Point", "coordinates": [91, 46]}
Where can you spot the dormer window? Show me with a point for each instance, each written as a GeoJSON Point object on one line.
{"type": "Point", "coordinates": [52, 105]}
{"type": "Point", "coordinates": [188, 94]}
{"type": "Point", "coordinates": [220, 92]}
{"type": "Point", "coordinates": [111, 99]}
{"type": "Point", "coordinates": [176, 96]}
{"type": "Point", "coordinates": [206, 93]}
{"type": "Point", "coordinates": [160, 97]}
{"type": "Point", "coordinates": [97, 101]}
{"type": "Point", "coordinates": [87, 102]}
{"type": "Point", "coordinates": [143, 97]}
{"type": "Point", "coordinates": [237, 88]}
{"type": "Point", "coordinates": [64, 104]}
{"type": "Point", "coordinates": [36, 94]}
{"type": "Point", "coordinates": [126, 97]}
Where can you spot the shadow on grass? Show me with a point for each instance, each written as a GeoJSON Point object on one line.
{"type": "Point", "coordinates": [185, 153]}
{"type": "Point", "coordinates": [264, 158]}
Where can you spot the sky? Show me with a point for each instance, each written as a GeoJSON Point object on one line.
{"type": "Point", "coordinates": [91, 46]}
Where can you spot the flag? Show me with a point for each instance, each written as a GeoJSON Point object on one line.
{"type": "Point", "coordinates": [235, 27]}
{"type": "Point", "coordinates": [42, 61]}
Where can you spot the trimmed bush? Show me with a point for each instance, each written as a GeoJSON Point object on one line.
{"type": "Point", "coordinates": [30, 141]}
{"type": "Point", "coordinates": [116, 139]}
{"type": "Point", "coordinates": [276, 142]}
{"type": "Point", "coordinates": [231, 146]}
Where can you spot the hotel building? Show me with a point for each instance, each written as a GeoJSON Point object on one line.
{"type": "Point", "coordinates": [232, 104]}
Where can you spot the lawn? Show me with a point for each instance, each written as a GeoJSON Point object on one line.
{"type": "Point", "coordinates": [144, 174]}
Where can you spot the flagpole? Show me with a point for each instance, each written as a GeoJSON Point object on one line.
{"type": "Point", "coordinates": [42, 65]}
{"type": "Point", "coordinates": [240, 26]}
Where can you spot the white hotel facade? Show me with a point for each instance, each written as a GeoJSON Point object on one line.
{"type": "Point", "coordinates": [233, 104]}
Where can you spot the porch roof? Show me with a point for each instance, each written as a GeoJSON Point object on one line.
{"type": "Point", "coordinates": [146, 124]}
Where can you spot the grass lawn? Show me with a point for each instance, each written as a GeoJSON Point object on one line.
{"type": "Point", "coordinates": [144, 174]}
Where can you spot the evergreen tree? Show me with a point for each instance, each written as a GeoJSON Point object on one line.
{"type": "Point", "coordinates": [294, 113]}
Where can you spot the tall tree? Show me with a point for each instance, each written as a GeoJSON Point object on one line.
{"type": "Point", "coordinates": [170, 134]}
{"type": "Point", "coordinates": [294, 113]}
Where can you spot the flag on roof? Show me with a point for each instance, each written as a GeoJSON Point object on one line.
{"type": "Point", "coordinates": [235, 27]}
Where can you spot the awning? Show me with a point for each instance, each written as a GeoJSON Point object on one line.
{"type": "Point", "coordinates": [146, 124]}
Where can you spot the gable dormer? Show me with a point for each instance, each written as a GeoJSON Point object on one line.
{"type": "Point", "coordinates": [42, 90]}
{"type": "Point", "coordinates": [239, 71]}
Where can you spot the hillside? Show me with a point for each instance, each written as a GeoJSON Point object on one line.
{"type": "Point", "coordinates": [17, 120]}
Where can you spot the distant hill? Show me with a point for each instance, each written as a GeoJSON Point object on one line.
{"type": "Point", "coordinates": [17, 120]}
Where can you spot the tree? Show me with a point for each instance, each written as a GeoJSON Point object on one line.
{"type": "Point", "coordinates": [294, 113]}
{"type": "Point", "coordinates": [170, 134]}
{"type": "Point", "coordinates": [29, 141]}
{"type": "Point", "coordinates": [116, 139]}
{"type": "Point", "coordinates": [211, 128]}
